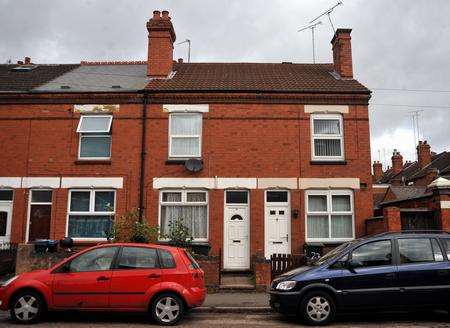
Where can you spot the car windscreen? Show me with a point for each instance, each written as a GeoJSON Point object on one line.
{"type": "Point", "coordinates": [333, 253]}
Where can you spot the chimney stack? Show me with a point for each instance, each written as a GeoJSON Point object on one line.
{"type": "Point", "coordinates": [397, 162]}
{"type": "Point", "coordinates": [161, 36]}
{"type": "Point", "coordinates": [377, 171]}
{"type": "Point", "coordinates": [342, 53]}
{"type": "Point", "coordinates": [423, 154]}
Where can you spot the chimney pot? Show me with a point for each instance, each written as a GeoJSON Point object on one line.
{"type": "Point", "coordinates": [165, 14]}
{"type": "Point", "coordinates": [20, 62]}
{"type": "Point", "coordinates": [180, 60]}
{"type": "Point", "coordinates": [27, 60]}
{"type": "Point", "coordinates": [377, 171]}
{"type": "Point", "coordinates": [156, 14]}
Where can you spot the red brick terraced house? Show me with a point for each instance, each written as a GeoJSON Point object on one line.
{"type": "Point", "coordinates": [255, 158]}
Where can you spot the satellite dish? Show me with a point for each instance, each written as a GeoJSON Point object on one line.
{"type": "Point", "coordinates": [193, 165]}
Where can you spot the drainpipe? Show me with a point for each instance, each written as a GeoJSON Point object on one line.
{"type": "Point", "coordinates": [143, 156]}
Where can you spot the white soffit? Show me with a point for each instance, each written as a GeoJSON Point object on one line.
{"type": "Point", "coordinates": [311, 183]}
{"type": "Point", "coordinates": [41, 182]}
{"type": "Point", "coordinates": [342, 109]}
{"type": "Point", "coordinates": [281, 183]}
{"type": "Point", "coordinates": [235, 183]}
{"type": "Point", "coordinates": [445, 204]}
{"type": "Point", "coordinates": [200, 108]}
{"type": "Point", "coordinates": [10, 182]}
{"type": "Point", "coordinates": [75, 182]}
{"type": "Point", "coordinates": [160, 183]}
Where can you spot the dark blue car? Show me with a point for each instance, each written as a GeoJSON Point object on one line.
{"type": "Point", "coordinates": [386, 271]}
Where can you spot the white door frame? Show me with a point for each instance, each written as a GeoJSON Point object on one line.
{"type": "Point", "coordinates": [225, 230]}
{"type": "Point", "coordinates": [288, 214]}
{"type": "Point", "coordinates": [9, 219]}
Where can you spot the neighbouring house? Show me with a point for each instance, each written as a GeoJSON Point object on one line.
{"type": "Point", "coordinates": [412, 195]}
{"type": "Point", "coordinates": [256, 158]}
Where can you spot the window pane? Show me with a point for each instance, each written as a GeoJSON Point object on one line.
{"type": "Point", "coordinates": [327, 126]}
{"type": "Point", "coordinates": [79, 201]}
{"type": "Point", "coordinates": [95, 146]}
{"type": "Point", "coordinates": [415, 250]}
{"type": "Point", "coordinates": [41, 196]}
{"type": "Point", "coordinates": [90, 226]}
{"type": "Point", "coordinates": [237, 197]}
{"type": "Point", "coordinates": [171, 196]}
{"type": "Point", "coordinates": [193, 217]}
{"type": "Point", "coordinates": [6, 194]}
{"type": "Point", "coordinates": [96, 260]}
{"type": "Point", "coordinates": [104, 201]}
{"type": "Point", "coordinates": [185, 147]}
{"type": "Point", "coordinates": [317, 226]}
{"type": "Point", "coordinates": [437, 251]}
{"type": "Point", "coordinates": [185, 124]}
{"type": "Point", "coordinates": [341, 226]}
{"type": "Point", "coordinates": [3, 223]}
{"type": "Point", "coordinates": [327, 147]}
{"type": "Point", "coordinates": [94, 124]}
{"type": "Point", "coordinates": [446, 243]}
{"type": "Point", "coordinates": [341, 203]}
{"type": "Point", "coordinates": [277, 196]}
{"type": "Point", "coordinates": [374, 254]}
{"type": "Point", "coordinates": [138, 257]}
{"type": "Point", "coordinates": [317, 203]}
{"type": "Point", "coordinates": [196, 197]}
{"type": "Point", "coordinates": [167, 260]}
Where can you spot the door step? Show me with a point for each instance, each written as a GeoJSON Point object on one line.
{"type": "Point", "coordinates": [236, 281]}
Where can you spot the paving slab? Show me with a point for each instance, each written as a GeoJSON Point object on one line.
{"type": "Point", "coordinates": [237, 300]}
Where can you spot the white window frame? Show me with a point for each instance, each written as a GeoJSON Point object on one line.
{"type": "Point", "coordinates": [329, 213]}
{"type": "Point", "coordinates": [339, 136]}
{"type": "Point", "coordinates": [179, 136]}
{"type": "Point", "coordinates": [30, 202]}
{"type": "Point", "coordinates": [91, 211]}
{"type": "Point", "coordinates": [94, 134]}
{"type": "Point", "coordinates": [184, 202]}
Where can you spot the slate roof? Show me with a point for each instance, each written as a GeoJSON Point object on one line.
{"type": "Point", "coordinates": [114, 77]}
{"type": "Point", "coordinates": [408, 192]}
{"type": "Point", "coordinates": [255, 77]}
{"type": "Point", "coordinates": [22, 81]}
{"type": "Point", "coordinates": [412, 171]}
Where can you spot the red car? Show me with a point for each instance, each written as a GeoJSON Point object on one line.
{"type": "Point", "coordinates": [162, 280]}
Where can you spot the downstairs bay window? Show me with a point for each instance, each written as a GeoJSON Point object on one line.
{"type": "Point", "coordinates": [91, 213]}
{"type": "Point", "coordinates": [329, 215]}
{"type": "Point", "coordinates": [188, 206]}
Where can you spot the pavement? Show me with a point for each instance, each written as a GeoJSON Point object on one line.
{"type": "Point", "coordinates": [236, 302]}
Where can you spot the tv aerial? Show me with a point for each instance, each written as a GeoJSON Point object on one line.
{"type": "Point", "coordinates": [328, 13]}
{"type": "Point", "coordinates": [189, 48]}
{"type": "Point", "coordinates": [312, 27]}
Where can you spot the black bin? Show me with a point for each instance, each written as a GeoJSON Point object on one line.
{"type": "Point", "coordinates": [45, 245]}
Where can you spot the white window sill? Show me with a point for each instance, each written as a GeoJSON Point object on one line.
{"type": "Point", "coordinates": [328, 240]}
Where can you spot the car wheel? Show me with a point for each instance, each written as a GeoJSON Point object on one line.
{"type": "Point", "coordinates": [317, 308]}
{"type": "Point", "coordinates": [27, 307]}
{"type": "Point", "coordinates": [167, 309]}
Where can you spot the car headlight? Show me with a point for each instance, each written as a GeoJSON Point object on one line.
{"type": "Point", "coordinates": [286, 285]}
{"type": "Point", "coordinates": [7, 282]}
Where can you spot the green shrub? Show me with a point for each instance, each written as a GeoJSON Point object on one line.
{"type": "Point", "coordinates": [128, 229]}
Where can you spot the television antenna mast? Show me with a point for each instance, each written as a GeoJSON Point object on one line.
{"type": "Point", "coordinates": [189, 48]}
{"type": "Point", "coordinates": [312, 27]}
{"type": "Point", "coordinates": [328, 13]}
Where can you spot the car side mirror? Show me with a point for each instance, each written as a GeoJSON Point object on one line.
{"type": "Point", "coordinates": [353, 264]}
{"type": "Point", "coordinates": [65, 268]}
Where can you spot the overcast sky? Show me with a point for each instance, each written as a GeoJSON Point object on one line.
{"type": "Point", "coordinates": [397, 44]}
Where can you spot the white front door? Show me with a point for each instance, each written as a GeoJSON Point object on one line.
{"type": "Point", "coordinates": [277, 223]}
{"type": "Point", "coordinates": [236, 231]}
{"type": "Point", "coordinates": [5, 222]}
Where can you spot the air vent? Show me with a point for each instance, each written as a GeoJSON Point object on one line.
{"type": "Point", "coordinates": [116, 87]}
{"type": "Point", "coordinates": [65, 87]}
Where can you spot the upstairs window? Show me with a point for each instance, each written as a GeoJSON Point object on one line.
{"type": "Point", "coordinates": [95, 137]}
{"type": "Point", "coordinates": [185, 135]}
{"type": "Point", "coordinates": [327, 137]}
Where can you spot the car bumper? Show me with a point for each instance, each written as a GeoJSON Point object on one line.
{"type": "Point", "coordinates": [3, 298]}
{"type": "Point", "coordinates": [284, 302]}
{"type": "Point", "coordinates": [195, 297]}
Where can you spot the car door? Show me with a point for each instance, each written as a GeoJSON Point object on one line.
{"type": "Point", "coordinates": [424, 276]}
{"type": "Point", "coordinates": [373, 283]}
{"type": "Point", "coordinates": [84, 282]}
{"type": "Point", "coordinates": [137, 271]}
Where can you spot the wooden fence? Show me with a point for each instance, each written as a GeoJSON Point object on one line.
{"type": "Point", "coordinates": [281, 263]}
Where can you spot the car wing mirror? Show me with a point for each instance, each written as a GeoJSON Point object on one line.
{"type": "Point", "coordinates": [353, 264]}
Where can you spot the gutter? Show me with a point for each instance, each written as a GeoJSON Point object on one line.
{"type": "Point", "coordinates": [143, 157]}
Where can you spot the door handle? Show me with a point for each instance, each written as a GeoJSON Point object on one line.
{"type": "Point", "coordinates": [389, 275]}
{"type": "Point", "coordinates": [277, 242]}
{"type": "Point", "coordinates": [154, 276]}
{"type": "Point", "coordinates": [102, 278]}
